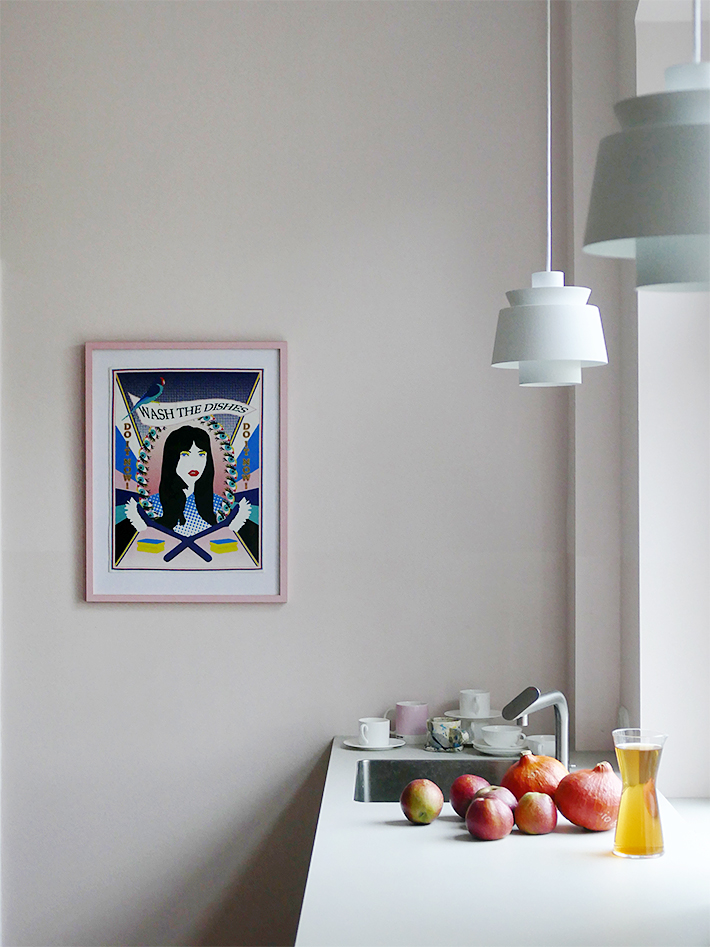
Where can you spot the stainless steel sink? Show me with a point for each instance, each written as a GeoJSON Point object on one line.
{"type": "Point", "coordinates": [384, 780]}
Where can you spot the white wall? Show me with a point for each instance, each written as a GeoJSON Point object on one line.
{"type": "Point", "coordinates": [365, 181]}
{"type": "Point", "coordinates": [674, 481]}
{"type": "Point", "coordinates": [674, 415]}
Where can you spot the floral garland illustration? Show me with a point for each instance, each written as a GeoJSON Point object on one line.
{"type": "Point", "coordinates": [142, 514]}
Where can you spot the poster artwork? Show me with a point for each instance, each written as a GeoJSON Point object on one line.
{"type": "Point", "coordinates": [187, 469]}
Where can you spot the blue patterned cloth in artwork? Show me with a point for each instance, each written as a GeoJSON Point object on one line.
{"type": "Point", "coordinates": [193, 521]}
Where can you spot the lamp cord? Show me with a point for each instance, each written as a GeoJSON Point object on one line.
{"type": "Point", "coordinates": [696, 31]}
{"type": "Point", "coordinates": [549, 148]}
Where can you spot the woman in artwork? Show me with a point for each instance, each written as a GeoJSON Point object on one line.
{"type": "Point", "coordinates": [186, 502]}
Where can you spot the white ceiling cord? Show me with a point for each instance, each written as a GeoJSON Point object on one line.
{"type": "Point", "coordinates": [549, 333]}
{"type": "Point", "coordinates": [548, 266]}
{"type": "Point", "coordinates": [697, 57]}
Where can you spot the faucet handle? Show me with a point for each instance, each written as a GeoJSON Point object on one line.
{"type": "Point", "coordinates": [518, 705]}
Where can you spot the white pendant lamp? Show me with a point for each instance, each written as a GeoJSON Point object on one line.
{"type": "Point", "coordinates": [651, 192]}
{"type": "Point", "coordinates": [549, 333]}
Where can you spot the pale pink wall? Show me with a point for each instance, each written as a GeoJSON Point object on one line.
{"type": "Point", "coordinates": [602, 487]}
{"type": "Point", "coordinates": [363, 180]}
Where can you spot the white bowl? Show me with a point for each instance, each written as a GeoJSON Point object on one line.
{"type": "Point", "coordinates": [502, 736]}
{"type": "Point", "coordinates": [541, 744]}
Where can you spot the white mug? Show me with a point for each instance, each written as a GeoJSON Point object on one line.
{"type": "Point", "coordinates": [474, 703]}
{"type": "Point", "coordinates": [374, 731]}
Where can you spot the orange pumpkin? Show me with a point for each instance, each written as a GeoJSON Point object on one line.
{"type": "Point", "coordinates": [590, 797]}
{"type": "Point", "coordinates": [534, 774]}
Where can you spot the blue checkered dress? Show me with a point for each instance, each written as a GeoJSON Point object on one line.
{"type": "Point", "coordinates": [193, 521]}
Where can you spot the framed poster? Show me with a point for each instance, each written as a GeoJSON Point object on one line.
{"type": "Point", "coordinates": [186, 471]}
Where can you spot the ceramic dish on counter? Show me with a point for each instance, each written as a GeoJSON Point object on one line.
{"type": "Point", "coordinates": [472, 725]}
{"type": "Point", "coordinates": [504, 752]}
{"type": "Point", "coordinates": [354, 744]}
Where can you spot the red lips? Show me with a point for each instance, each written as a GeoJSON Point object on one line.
{"type": "Point", "coordinates": [194, 473]}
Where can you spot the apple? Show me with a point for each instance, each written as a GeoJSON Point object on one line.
{"type": "Point", "coordinates": [487, 818]}
{"type": "Point", "coordinates": [421, 801]}
{"type": "Point", "coordinates": [463, 790]}
{"type": "Point", "coordinates": [536, 813]}
{"type": "Point", "coordinates": [500, 793]}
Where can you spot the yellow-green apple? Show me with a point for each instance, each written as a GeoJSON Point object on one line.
{"type": "Point", "coordinates": [536, 813]}
{"type": "Point", "coordinates": [421, 801]}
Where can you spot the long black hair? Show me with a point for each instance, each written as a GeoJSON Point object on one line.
{"type": "Point", "coordinates": [172, 487]}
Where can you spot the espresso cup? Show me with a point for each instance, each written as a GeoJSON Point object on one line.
{"type": "Point", "coordinates": [503, 737]}
{"type": "Point", "coordinates": [445, 733]}
{"type": "Point", "coordinates": [374, 731]}
{"type": "Point", "coordinates": [410, 717]}
{"type": "Point", "coordinates": [474, 703]}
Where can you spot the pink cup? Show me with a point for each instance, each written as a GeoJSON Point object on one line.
{"type": "Point", "coordinates": [410, 717]}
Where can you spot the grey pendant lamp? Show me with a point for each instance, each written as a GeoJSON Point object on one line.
{"type": "Point", "coordinates": [549, 333]}
{"type": "Point", "coordinates": [651, 192]}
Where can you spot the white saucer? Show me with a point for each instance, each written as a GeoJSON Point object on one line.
{"type": "Point", "coordinates": [457, 715]}
{"type": "Point", "coordinates": [355, 744]}
{"type": "Point", "coordinates": [505, 752]}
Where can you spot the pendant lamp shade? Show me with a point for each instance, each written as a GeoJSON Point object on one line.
{"type": "Point", "coordinates": [549, 333]}
{"type": "Point", "coordinates": [651, 192]}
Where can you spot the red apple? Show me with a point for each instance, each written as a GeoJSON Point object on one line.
{"type": "Point", "coordinates": [536, 813]}
{"type": "Point", "coordinates": [463, 790]}
{"type": "Point", "coordinates": [488, 818]}
{"type": "Point", "coordinates": [421, 801]}
{"type": "Point", "coordinates": [500, 793]}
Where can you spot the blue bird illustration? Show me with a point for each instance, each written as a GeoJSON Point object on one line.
{"type": "Point", "coordinates": [152, 394]}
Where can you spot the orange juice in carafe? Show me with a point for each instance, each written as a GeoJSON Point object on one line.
{"type": "Point", "coordinates": [638, 827]}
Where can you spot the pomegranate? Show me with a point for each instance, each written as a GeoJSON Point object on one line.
{"type": "Point", "coordinates": [463, 790]}
{"type": "Point", "coordinates": [590, 797]}
{"type": "Point", "coordinates": [536, 813]}
{"type": "Point", "coordinates": [534, 774]}
{"type": "Point", "coordinates": [489, 819]}
{"type": "Point", "coordinates": [498, 792]}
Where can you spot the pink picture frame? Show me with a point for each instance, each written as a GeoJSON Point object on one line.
{"type": "Point", "coordinates": [186, 471]}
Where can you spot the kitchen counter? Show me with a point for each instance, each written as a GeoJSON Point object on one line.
{"type": "Point", "coordinates": [375, 880]}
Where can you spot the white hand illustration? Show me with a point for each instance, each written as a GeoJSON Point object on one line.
{"type": "Point", "coordinates": [134, 517]}
{"type": "Point", "coordinates": [242, 515]}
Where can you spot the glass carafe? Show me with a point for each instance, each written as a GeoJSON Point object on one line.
{"type": "Point", "coordinates": [638, 827]}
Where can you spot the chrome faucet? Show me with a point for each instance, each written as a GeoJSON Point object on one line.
{"type": "Point", "coordinates": [530, 700]}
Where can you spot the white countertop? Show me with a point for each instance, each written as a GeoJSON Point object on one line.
{"type": "Point", "coordinates": [375, 880]}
